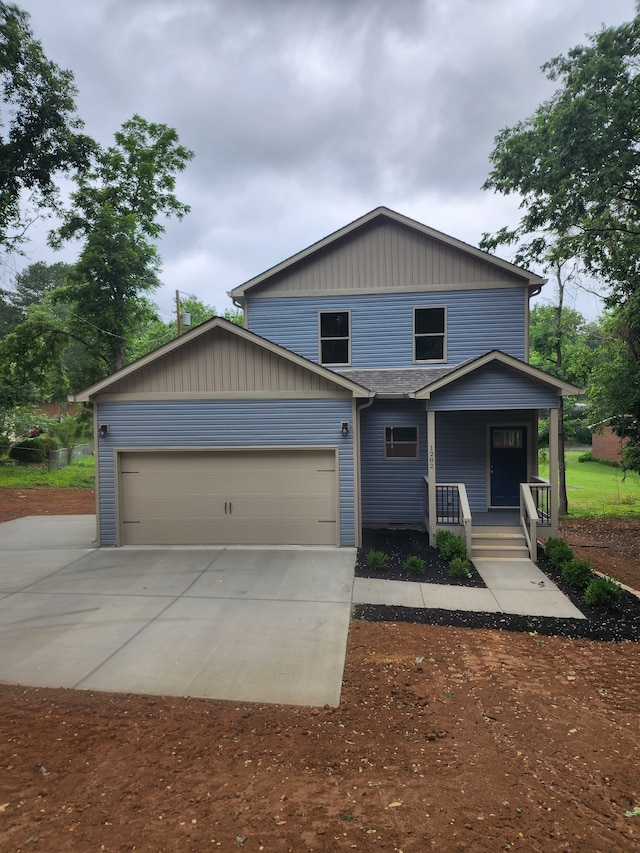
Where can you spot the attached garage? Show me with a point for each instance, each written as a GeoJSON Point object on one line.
{"type": "Point", "coordinates": [221, 437]}
{"type": "Point", "coordinates": [275, 496]}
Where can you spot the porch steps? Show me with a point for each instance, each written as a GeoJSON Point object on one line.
{"type": "Point", "coordinates": [507, 543]}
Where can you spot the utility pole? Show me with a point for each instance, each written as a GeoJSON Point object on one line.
{"type": "Point", "coordinates": [179, 312]}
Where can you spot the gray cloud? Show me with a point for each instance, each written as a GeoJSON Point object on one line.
{"type": "Point", "coordinates": [304, 115]}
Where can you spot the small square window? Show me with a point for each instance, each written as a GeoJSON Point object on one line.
{"type": "Point", "coordinates": [430, 328]}
{"type": "Point", "coordinates": [401, 442]}
{"type": "Point", "coordinates": [335, 338]}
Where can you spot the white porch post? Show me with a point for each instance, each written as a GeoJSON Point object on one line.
{"type": "Point", "coordinates": [554, 463]}
{"type": "Point", "coordinates": [431, 472]}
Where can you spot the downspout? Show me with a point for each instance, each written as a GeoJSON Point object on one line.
{"type": "Point", "coordinates": [356, 465]}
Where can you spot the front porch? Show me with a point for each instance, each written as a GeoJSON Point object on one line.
{"type": "Point", "coordinates": [503, 533]}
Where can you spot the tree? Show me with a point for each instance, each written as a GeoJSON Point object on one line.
{"type": "Point", "coordinates": [36, 282]}
{"type": "Point", "coordinates": [39, 128]}
{"type": "Point", "coordinates": [115, 212]}
{"type": "Point", "coordinates": [576, 165]}
{"type": "Point", "coordinates": [159, 332]}
{"type": "Point", "coordinates": [614, 389]}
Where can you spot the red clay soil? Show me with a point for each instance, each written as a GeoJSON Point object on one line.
{"type": "Point", "coordinates": [445, 739]}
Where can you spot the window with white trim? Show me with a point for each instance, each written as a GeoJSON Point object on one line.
{"type": "Point", "coordinates": [401, 442]}
{"type": "Point", "coordinates": [335, 337]}
{"type": "Point", "coordinates": [430, 334]}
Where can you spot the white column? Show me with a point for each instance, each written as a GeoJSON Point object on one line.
{"type": "Point", "coordinates": [554, 462]}
{"type": "Point", "coordinates": [431, 472]}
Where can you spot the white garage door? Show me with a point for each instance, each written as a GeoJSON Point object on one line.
{"type": "Point", "coordinates": [263, 497]}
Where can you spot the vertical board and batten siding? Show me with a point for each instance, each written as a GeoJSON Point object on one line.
{"type": "Point", "coordinates": [223, 423]}
{"type": "Point", "coordinates": [382, 255]}
{"type": "Point", "coordinates": [223, 362]}
{"type": "Point", "coordinates": [382, 324]}
{"type": "Point", "coordinates": [494, 386]}
{"type": "Point", "coordinates": [462, 448]}
{"type": "Point", "coordinates": [392, 489]}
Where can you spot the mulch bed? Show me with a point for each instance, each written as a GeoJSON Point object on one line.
{"type": "Point", "coordinates": [398, 544]}
{"type": "Point", "coordinates": [622, 623]}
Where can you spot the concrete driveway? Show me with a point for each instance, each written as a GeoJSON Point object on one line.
{"type": "Point", "coordinates": [246, 624]}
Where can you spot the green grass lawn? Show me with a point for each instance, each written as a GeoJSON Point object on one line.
{"type": "Point", "coordinates": [595, 490]}
{"type": "Point", "coordinates": [80, 475]}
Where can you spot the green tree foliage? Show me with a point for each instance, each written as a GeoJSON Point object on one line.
{"type": "Point", "coordinates": [40, 359]}
{"type": "Point", "coordinates": [576, 165]}
{"type": "Point", "coordinates": [614, 390]}
{"type": "Point", "coordinates": [36, 282]}
{"type": "Point", "coordinates": [116, 213]}
{"type": "Point", "coordinates": [159, 332]}
{"type": "Point", "coordinates": [39, 128]}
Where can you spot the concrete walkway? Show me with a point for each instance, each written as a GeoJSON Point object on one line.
{"type": "Point", "coordinates": [513, 586]}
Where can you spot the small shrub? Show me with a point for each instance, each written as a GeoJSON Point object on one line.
{"type": "Point", "coordinates": [415, 565]}
{"type": "Point", "coordinates": [449, 545]}
{"type": "Point", "coordinates": [603, 592]}
{"type": "Point", "coordinates": [377, 560]}
{"type": "Point", "coordinates": [558, 552]}
{"type": "Point", "coordinates": [460, 568]}
{"type": "Point", "coordinates": [577, 573]}
{"type": "Point", "coordinates": [586, 457]}
{"type": "Point", "coordinates": [29, 450]}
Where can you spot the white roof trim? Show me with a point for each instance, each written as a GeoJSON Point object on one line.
{"type": "Point", "coordinates": [204, 328]}
{"type": "Point", "coordinates": [533, 280]}
{"type": "Point", "coordinates": [562, 388]}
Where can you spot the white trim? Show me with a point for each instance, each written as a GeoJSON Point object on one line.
{"type": "Point", "coordinates": [403, 288]}
{"type": "Point", "coordinates": [400, 426]}
{"type": "Point", "coordinates": [225, 395]}
{"type": "Point", "coordinates": [442, 334]}
{"type": "Point", "coordinates": [333, 364]}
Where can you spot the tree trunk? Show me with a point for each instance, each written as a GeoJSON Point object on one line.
{"type": "Point", "coordinates": [563, 503]}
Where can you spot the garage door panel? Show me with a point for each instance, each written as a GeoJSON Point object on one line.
{"type": "Point", "coordinates": [251, 497]}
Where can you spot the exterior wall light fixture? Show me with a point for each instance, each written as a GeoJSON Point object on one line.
{"type": "Point", "coordinates": [103, 430]}
{"type": "Point", "coordinates": [344, 428]}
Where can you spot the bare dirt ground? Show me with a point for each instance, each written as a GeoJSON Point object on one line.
{"type": "Point", "coordinates": [446, 739]}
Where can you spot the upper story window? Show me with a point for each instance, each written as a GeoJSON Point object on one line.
{"type": "Point", "coordinates": [430, 334]}
{"type": "Point", "coordinates": [335, 337]}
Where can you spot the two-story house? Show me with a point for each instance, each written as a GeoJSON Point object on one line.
{"type": "Point", "coordinates": [381, 378]}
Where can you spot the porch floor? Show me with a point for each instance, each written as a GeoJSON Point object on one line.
{"type": "Point", "coordinates": [496, 518]}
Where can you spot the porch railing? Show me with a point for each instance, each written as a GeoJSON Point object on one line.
{"type": "Point", "coordinates": [535, 501]}
{"type": "Point", "coordinates": [452, 507]}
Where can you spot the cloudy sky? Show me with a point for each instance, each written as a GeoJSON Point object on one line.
{"type": "Point", "coordinates": [305, 114]}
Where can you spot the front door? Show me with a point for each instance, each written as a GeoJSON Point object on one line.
{"type": "Point", "coordinates": [508, 464]}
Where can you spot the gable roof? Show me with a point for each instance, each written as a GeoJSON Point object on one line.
{"type": "Point", "coordinates": [498, 357]}
{"type": "Point", "coordinates": [420, 382]}
{"type": "Point", "coordinates": [380, 215]}
{"type": "Point", "coordinates": [395, 381]}
{"type": "Point", "coordinates": [124, 379]}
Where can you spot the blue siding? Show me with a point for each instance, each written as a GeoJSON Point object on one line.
{"type": "Point", "coordinates": [224, 423]}
{"type": "Point", "coordinates": [392, 489]}
{"type": "Point", "coordinates": [462, 447]}
{"type": "Point", "coordinates": [382, 324]}
{"type": "Point", "coordinates": [494, 386]}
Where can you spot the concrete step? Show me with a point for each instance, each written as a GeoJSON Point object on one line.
{"type": "Point", "coordinates": [506, 543]}
{"type": "Point", "coordinates": [500, 552]}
